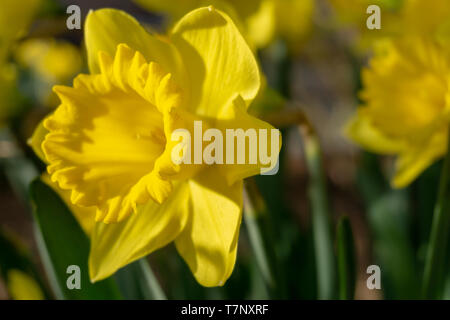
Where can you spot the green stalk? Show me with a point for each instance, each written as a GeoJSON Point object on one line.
{"type": "Point", "coordinates": [437, 247]}
{"type": "Point", "coordinates": [152, 290]}
{"type": "Point", "coordinates": [322, 231]}
{"type": "Point", "coordinates": [346, 259]}
{"type": "Point", "coordinates": [323, 240]}
{"type": "Point", "coordinates": [255, 217]}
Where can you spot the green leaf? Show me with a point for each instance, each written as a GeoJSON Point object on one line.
{"type": "Point", "coordinates": [321, 218]}
{"type": "Point", "coordinates": [435, 262]}
{"type": "Point", "coordinates": [128, 282]}
{"type": "Point", "coordinates": [63, 243]}
{"type": "Point", "coordinates": [149, 283]}
{"type": "Point", "coordinates": [346, 260]}
{"type": "Point", "coordinates": [257, 224]}
{"type": "Point", "coordinates": [389, 219]}
{"type": "Point", "coordinates": [137, 281]}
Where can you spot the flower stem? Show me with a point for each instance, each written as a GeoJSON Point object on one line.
{"type": "Point", "coordinates": [255, 217]}
{"type": "Point", "coordinates": [437, 247]}
{"type": "Point", "coordinates": [152, 289]}
{"type": "Point", "coordinates": [346, 259]}
{"type": "Point", "coordinates": [323, 243]}
{"type": "Point", "coordinates": [322, 231]}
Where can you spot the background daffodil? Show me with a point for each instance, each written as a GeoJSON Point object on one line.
{"type": "Point", "coordinates": [109, 142]}
{"type": "Point", "coordinates": [354, 12]}
{"type": "Point", "coordinates": [50, 62]}
{"type": "Point", "coordinates": [55, 61]}
{"type": "Point", "coordinates": [15, 18]}
{"type": "Point", "coordinates": [398, 19]}
{"type": "Point", "coordinates": [406, 107]}
{"type": "Point", "coordinates": [23, 287]}
{"type": "Point", "coordinates": [425, 18]}
{"type": "Point", "coordinates": [262, 20]}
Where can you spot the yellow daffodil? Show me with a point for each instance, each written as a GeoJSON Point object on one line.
{"type": "Point", "coordinates": [354, 12]}
{"type": "Point", "coordinates": [407, 105]}
{"type": "Point", "coordinates": [15, 17]}
{"type": "Point", "coordinates": [263, 20]}
{"type": "Point", "coordinates": [109, 142]}
{"type": "Point", "coordinates": [398, 18]}
{"type": "Point", "coordinates": [54, 60]}
{"type": "Point", "coordinates": [51, 62]}
{"type": "Point", "coordinates": [22, 286]}
{"type": "Point", "coordinates": [426, 18]}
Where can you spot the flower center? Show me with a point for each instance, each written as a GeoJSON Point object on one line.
{"type": "Point", "coordinates": [109, 140]}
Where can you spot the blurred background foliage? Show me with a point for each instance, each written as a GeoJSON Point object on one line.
{"type": "Point", "coordinates": [310, 231]}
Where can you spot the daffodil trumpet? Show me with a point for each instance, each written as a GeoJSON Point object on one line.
{"type": "Point", "coordinates": [108, 146]}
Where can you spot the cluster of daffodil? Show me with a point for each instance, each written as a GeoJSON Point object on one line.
{"type": "Point", "coordinates": [108, 145]}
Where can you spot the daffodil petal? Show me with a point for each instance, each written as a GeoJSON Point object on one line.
{"type": "Point", "coordinates": [209, 242]}
{"type": "Point", "coordinates": [236, 118]}
{"type": "Point", "coordinates": [412, 163]}
{"type": "Point", "coordinates": [35, 142]}
{"type": "Point", "coordinates": [221, 65]}
{"type": "Point", "coordinates": [105, 29]}
{"type": "Point", "coordinates": [261, 22]}
{"type": "Point", "coordinates": [152, 227]}
{"type": "Point", "coordinates": [175, 9]}
{"type": "Point", "coordinates": [361, 131]}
